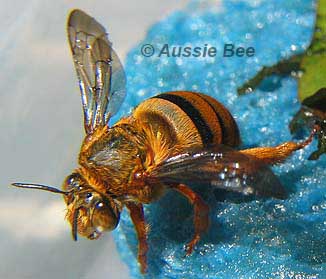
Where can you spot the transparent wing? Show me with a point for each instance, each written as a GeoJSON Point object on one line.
{"type": "Point", "coordinates": [220, 167]}
{"type": "Point", "coordinates": [99, 70]}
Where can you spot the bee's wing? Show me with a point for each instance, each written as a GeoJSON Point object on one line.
{"type": "Point", "coordinates": [220, 167]}
{"type": "Point", "coordinates": [99, 70]}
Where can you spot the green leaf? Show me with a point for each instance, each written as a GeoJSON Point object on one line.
{"type": "Point", "coordinates": [314, 75]}
{"type": "Point", "coordinates": [313, 64]}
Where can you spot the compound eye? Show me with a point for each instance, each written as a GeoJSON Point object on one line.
{"type": "Point", "coordinates": [73, 181]}
{"type": "Point", "coordinates": [104, 217]}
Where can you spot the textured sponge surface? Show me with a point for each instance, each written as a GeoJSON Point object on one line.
{"type": "Point", "coordinates": [248, 238]}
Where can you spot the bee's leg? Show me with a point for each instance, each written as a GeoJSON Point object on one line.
{"type": "Point", "coordinates": [201, 210]}
{"type": "Point", "coordinates": [277, 154]}
{"type": "Point", "coordinates": [137, 217]}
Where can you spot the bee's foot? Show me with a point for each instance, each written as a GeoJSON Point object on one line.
{"type": "Point", "coordinates": [191, 245]}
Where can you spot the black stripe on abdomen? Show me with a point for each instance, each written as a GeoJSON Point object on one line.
{"type": "Point", "coordinates": [229, 128]}
{"type": "Point", "coordinates": [204, 131]}
{"type": "Point", "coordinates": [224, 131]}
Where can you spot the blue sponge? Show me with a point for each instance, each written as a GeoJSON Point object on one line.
{"type": "Point", "coordinates": [247, 238]}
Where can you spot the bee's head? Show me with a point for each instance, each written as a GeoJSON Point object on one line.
{"type": "Point", "coordinates": [89, 212]}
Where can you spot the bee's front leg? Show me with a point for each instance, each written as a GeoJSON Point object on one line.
{"type": "Point", "coordinates": [201, 210]}
{"type": "Point", "coordinates": [137, 217]}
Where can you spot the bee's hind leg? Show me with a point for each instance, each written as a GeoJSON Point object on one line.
{"type": "Point", "coordinates": [137, 217]}
{"type": "Point", "coordinates": [277, 154]}
{"type": "Point", "coordinates": [201, 218]}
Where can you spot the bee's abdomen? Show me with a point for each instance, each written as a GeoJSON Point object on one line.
{"type": "Point", "coordinates": [199, 117]}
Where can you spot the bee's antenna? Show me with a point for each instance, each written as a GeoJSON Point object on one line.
{"type": "Point", "coordinates": [39, 187]}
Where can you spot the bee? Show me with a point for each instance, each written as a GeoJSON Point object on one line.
{"type": "Point", "coordinates": [170, 141]}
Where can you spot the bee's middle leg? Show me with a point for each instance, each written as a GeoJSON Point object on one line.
{"type": "Point", "coordinates": [201, 210]}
